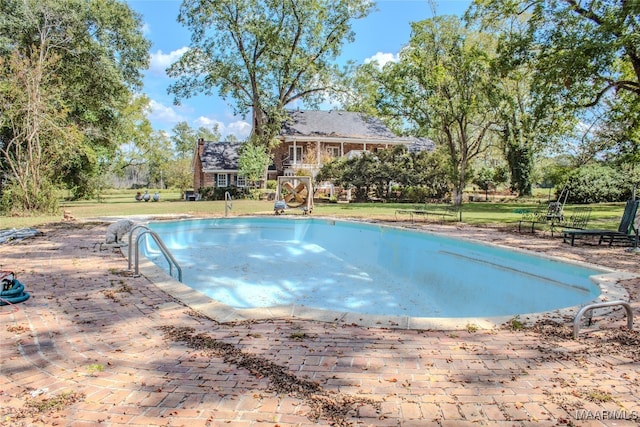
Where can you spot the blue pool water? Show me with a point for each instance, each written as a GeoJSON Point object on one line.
{"type": "Point", "coordinates": [364, 268]}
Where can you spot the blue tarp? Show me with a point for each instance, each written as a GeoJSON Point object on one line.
{"type": "Point", "coordinates": [15, 234]}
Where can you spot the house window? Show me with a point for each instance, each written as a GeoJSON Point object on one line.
{"type": "Point", "coordinates": [241, 181]}
{"type": "Point", "coordinates": [222, 180]}
{"type": "Point", "coordinates": [298, 154]}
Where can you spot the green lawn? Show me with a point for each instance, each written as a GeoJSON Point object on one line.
{"type": "Point", "coordinates": [604, 215]}
{"type": "Point", "coordinates": [123, 203]}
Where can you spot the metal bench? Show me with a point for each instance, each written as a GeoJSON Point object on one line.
{"type": "Point", "coordinates": [578, 220]}
{"type": "Point", "coordinates": [534, 217]}
{"type": "Point", "coordinates": [444, 211]}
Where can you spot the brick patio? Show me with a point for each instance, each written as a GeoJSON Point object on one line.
{"type": "Point", "coordinates": [96, 346]}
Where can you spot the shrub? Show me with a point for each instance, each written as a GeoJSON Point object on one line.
{"type": "Point", "coordinates": [217, 193]}
{"type": "Point", "coordinates": [18, 201]}
{"type": "Point", "coordinates": [415, 194]}
{"type": "Point", "coordinates": [597, 183]}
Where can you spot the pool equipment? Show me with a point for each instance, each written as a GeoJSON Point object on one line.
{"type": "Point", "coordinates": [279, 207]}
{"type": "Point", "coordinates": [296, 192]}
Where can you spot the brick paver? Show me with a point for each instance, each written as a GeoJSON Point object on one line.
{"type": "Point", "coordinates": [91, 348]}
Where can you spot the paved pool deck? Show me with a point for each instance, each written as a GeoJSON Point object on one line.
{"type": "Point", "coordinates": [95, 346]}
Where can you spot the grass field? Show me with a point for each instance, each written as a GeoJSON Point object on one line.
{"type": "Point", "coordinates": [123, 203]}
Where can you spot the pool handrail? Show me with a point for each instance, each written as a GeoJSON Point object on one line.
{"type": "Point", "coordinates": [163, 248]}
{"type": "Point", "coordinates": [590, 307]}
{"type": "Point", "coordinates": [228, 203]}
{"type": "Point", "coordinates": [129, 254]}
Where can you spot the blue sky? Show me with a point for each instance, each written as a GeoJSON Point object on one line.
{"type": "Point", "coordinates": [380, 36]}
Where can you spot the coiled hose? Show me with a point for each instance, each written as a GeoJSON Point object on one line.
{"type": "Point", "coordinates": [13, 293]}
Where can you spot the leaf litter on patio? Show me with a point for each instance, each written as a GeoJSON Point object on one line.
{"type": "Point", "coordinates": [609, 342]}
{"type": "Point", "coordinates": [334, 407]}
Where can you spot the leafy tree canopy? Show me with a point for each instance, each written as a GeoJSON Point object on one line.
{"type": "Point", "coordinates": [263, 54]}
{"type": "Point", "coordinates": [70, 69]}
{"type": "Point", "coordinates": [253, 161]}
{"type": "Point", "coordinates": [442, 87]}
{"type": "Point", "coordinates": [184, 139]}
{"type": "Point", "coordinates": [580, 47]}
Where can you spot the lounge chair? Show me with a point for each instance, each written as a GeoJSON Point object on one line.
{"type": "Point", "coordinates": [555, 210]}
{"type": "Point", "coordinates": [627, 230]}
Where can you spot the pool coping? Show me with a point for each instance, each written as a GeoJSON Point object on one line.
{"type": "Point", "coordinates": [609, 283]}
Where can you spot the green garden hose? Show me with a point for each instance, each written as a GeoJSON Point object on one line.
{"type": "Point", "coordinates": [13, 293]}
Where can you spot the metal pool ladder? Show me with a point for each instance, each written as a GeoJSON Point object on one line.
{"type": "Point", "coordinates": [589, 307]}
{"type": "Point", "coordinates": [163, 248]}
{"type": "Point", "coordinates": [228, 203]}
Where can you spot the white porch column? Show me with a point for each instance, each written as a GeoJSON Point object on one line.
{"type": "Point", "coordinates": [295, 153]}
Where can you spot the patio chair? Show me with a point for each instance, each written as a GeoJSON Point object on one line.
{"type": "Point", "coordinates": [627, 230]}
{"type": "Point", "coordinates": [577, 220]}
{"type": "Point", "coordinates": [536, 216]}
{"type": "Point", "coordinates": [553, 213]}
{"type": "Point", "coordinates": [555, 210]}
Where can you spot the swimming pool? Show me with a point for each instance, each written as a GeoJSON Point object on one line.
{"type": "Point", "coordinates": [368, 269]}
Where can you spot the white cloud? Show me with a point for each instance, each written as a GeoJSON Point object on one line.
{"type": "Point", "coordinates": [146, 29]}
{"type": "Point", "coordinates": [160, 61]}
{"type": "Point", "coordinates": [207, 122]}
{"type": "Point", "coordinates": [382, 58]}
{"type": "Point", "coordinates": [163, 115]}
{"type": "Point", "coordinates": [240, 128]}
{"type": "Point", "coordinates": [164, 118]}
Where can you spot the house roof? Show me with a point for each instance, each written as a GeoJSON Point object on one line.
{"type": "Point", "coordinates": [346, 125]}
{"type": "Point", "coordinates": [335, 123]}
{"type": "Point", "coordinates": [220, 156]}
{"type": "Point", "coordinates": [415, 145]}
{"type": "Point", "coordinates": [315, 125]}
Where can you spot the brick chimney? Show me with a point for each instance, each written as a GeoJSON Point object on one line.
{"type": "Point", "coordinates": [200, 147]}
{"type": "Point", "coordinates": [197, 166]}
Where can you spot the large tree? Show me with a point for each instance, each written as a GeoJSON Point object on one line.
{"type": "Point", "coordinates": [443, 87]}
{"type": "Point", "coordinates": [584, 54]}
{"type": "Point", "coordinates": [29, 115]}
{"type": "Point", "coordinates": [263, 54]}
{"type": "Point", "coordinates": [69, 70]}
{"type": "Point", "coordinates": [527, 123]}
{"type": "Point", "coordinates": [617, 139]}
{"type": "Point", "coordinates": [184, 138]}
